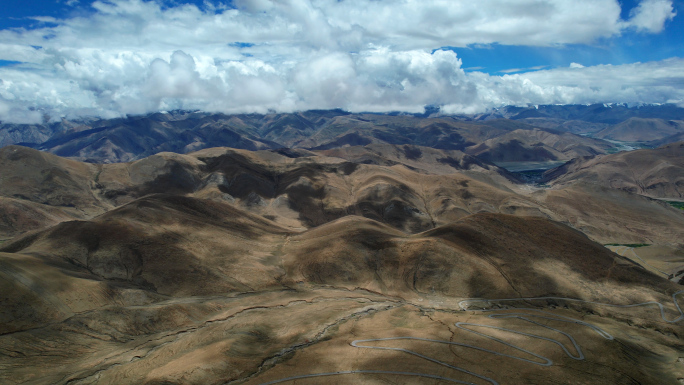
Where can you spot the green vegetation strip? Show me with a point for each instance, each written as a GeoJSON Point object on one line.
{"type": "Point", "coordinates": [628, 244]}
{"type": "Point", "coordinates": [679, 205]}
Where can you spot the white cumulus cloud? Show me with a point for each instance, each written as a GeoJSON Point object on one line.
{"type": "Point", "coordinates": [651, 15]}
{"type": "Point", "coordinates": [135, 56]}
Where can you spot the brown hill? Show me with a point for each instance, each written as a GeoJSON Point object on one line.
{"type": "Point", "coordinates": [18, 216]}
{"type": "Point", "coordinates": [47, 179]}
{"type": "Point", "coordinates": [169, 244]}
{"type": "Point", "coordinates": [299, 189]}
{"type": "Point", "coordinates": [173, 246]}
{"type": "Point", "coordinates": [535, 146]}
{"type": "Point", "coordinates": [154, 247]}
{"type": "Point", "coordinates": [38, 189]}
{"type": "Point", "coordinates": [310, 191]}
{"type": "Point", "coordinates": [657, 173]}
{"type": "Point", "coordinates": [483, 255]}
{"type": "Point", "coordinates": [422, 159]}
{"type": "Point", "coordinates": [90, 300]}
{"type": "Point", "coordinates": [642, 130]}
{"type": "Point", "coordinates": [296, 188]}
{"type": "Point", "coordinates": [225, 265]}
{"type": "Point", "coordinates": [610, 215]}
{"type": "Point", "coordinates": [668, 139]}
{"type": "Point", "coordinates": [577, 127]}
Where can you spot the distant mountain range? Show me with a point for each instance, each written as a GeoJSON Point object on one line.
{"type": "Point", "coordinates": [510, 134]}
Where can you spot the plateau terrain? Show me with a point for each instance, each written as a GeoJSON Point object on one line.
{"type": "Point", "coordinates": [300, 192]}
{"type": "Point", "coordinates": [329, 247]}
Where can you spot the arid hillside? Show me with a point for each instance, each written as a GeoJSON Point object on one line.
{"type": "Point", "coordinates": [410, 188]}
{"type": "Point", "coordinates": [169, 289]}
{"type": "Point", "coordinates": [642, 130]}
{"type": "Point", "coordinates": [657, 173]}
{"type": "Point", "coordinates": [537, 145]}
{"type": "Point", "coordinates": [362, 264]}
{"type": "Point", "coordinates": [296, 189]}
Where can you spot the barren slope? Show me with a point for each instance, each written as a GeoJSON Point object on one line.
{"type": "Point", "coordinates": [657, 173]}
{"type": "Point", "coordinates": [38, 189]}
{"type": "Point", "coordinates": [87, 309]}
{"type": "Point", "coordinates": [536, 145]}
{"type": "Point", "coordinates": [296, 188]}
{"type": "Point", "coordinates": [418, 158]}
{"type": "Point", "coordinates": [642, 130]}
{"type": "Point", "coordinates": [483, 255]}
{"type": "Point", "coordinates": [410, 188]}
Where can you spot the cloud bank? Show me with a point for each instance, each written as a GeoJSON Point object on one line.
{"type": "Point", "coordinates": [134, 57]}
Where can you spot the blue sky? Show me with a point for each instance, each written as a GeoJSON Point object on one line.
{"type": "Point", "coordinates": [19, 13]}
{"type": "Point", "coordinates": [629, 47]}
{"type": "Point", "coordinates": [117, 57]}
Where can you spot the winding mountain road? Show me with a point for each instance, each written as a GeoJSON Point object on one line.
{"type": "Point", "coordinates": [538, 359]}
